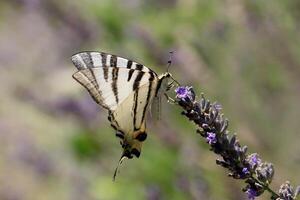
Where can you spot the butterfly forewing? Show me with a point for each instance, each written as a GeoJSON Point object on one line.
{"type": "Point", "coordinates": [91, 59]}
{"type": "Point", "coordinates": [112, 89]}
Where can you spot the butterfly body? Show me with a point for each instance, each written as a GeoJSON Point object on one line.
{"type": "Point", "coordinates": [126, 89]}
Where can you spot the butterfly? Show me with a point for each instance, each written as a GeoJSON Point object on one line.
{"type": "Point", "coordinates": [126, 89]}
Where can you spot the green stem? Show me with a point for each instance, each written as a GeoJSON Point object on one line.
{"type": "Point", "coordinates": [266, 187]}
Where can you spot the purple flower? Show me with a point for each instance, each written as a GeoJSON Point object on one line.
{"type": "Point", "coordinates": [245, 171]}
{"type": "Point", "coordinates": [253, 160]}
{"type": "Point", "coordinates": [286, 191]}
{"type": "Point", "coordinates": [265, 172]}
{"type": "Point", "coordinates": [217, 106]}
{"type": "Point", "coordinates": [184, 93]}
{"type": "Point", "coordinates": [211, 138]}
{"type": "Point", "coordinates": [251, 193]}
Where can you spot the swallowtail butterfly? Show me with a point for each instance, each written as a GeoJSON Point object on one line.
{"type": "Point", "coordinates": [126, 89]}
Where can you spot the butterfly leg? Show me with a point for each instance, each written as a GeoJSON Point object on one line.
{"type": "Point", "coordinates": [169, 99]}
{"type": "Point", "coordinates": [170, 86]}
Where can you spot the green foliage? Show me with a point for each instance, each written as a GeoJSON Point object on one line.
{"type": "Point", "coordinates": [86, 145]}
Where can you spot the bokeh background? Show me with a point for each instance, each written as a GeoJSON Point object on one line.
{"type": "Point", "coordinates": [56, 143]}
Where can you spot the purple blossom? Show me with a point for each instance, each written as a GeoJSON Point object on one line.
{"type": "Point", "coordinates": [286, 191]}
{"type": "Point", "coordinates": [218, 106]}
{"type": "Point", "coordinates": [245, 171]}
{"type": "Point", "coordinates": [265, 172]}
{"type": "Point", "coordinates": [211, 138]}
{"type": "Point", "coordinates": [184, 93]}
{"type": "Point", "coordinates": [253, 160]}
{"type": "Point", "coordinates": [251, 193]}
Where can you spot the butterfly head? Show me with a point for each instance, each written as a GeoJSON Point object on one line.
{"type": "Point", "coordinates": [167, 82]}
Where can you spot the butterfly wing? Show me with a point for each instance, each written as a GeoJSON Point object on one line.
{"type": "Point", "coordinates": [131, 113]}
{"type": "Point", "coordinates": [109, 87]}
{"type": "Point", "coordinates": [130, 116]}
{"type": "Point", "coordinates": [109, 78]}
{"type": "Point", "coordinates": [156, 108]}
{"type": "Point", "coordinates": [93, 59]}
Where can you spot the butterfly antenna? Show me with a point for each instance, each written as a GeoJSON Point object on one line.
{"type": "Point", "coordinates": [169, 65]}
{"type": "Point", "coordinates": [170, 60]}
{"type": "Point", "coordinates": [119, 164]}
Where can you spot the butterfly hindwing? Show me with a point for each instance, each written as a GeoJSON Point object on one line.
{"type": "Point", "coordinates": [131, 113]}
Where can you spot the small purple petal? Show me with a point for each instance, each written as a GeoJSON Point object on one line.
{"type": "Point", "coordinates": [245, 171]}
{"type": "Point", "coordinates": [253, 160]}
{"type": "Point", "coordinates": [211, 138]}
{"type": "Point", "coordinates": [184, 92]}
{"type": "Point", "coordinates": [286, 191]}
{"type": "Point", "coordinates": [218, 106]}
{"type": "Point", "coordinates": [251, 194]}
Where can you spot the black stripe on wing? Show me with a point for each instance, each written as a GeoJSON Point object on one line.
{"type": "Point", "coordinates": [114, 87]}
{"type": "Point", "coordinates": [103, 59]}
{"type": "Point", "coordinates": [134, 108]}
{"type": "Point", "coordinates": [113, 61]}
{"type": "Point", "coordinates": [151, 78]}
{"type": "Point", "coordinates": [130, 74]}
{"type": "Point", "coordinates": [135, 87]}
{"type": "Point", "coordinates": [105, 73]}
{"type": "Point", "coordinates": [129, 64]}
{"type": "Point", "coordinates": [139, 67]}
{"type": "Point", "coordinates": [137, 80]}
{"type": "Point", "coordinates": [158, 86]}
{"type": "Point", "coordinates": [89, 62]}
{"type": "Point", "coordinates": [87, 59]}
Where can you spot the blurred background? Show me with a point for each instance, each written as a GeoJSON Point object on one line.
{"type": "Point", "coordinates": [56, 143]}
